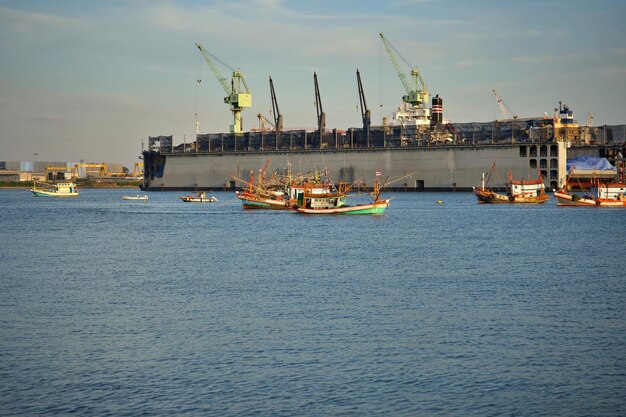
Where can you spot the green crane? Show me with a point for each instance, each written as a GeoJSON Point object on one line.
{"type": "Point", "coordinates": [238, 93]}
{"type": "Point", "coordinates": [416, 90]}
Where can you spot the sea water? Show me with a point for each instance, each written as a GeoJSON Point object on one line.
{"type": "Point", "coordinates": [112, 307]}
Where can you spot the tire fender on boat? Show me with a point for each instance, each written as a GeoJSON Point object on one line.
{"type": "Point", "coordinates": [511, 198]}
{"type": "Point", "coordinates": [598, 202]}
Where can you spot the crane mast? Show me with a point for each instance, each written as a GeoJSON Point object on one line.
{"type": "Point", "coordinates": [416, 90]}
{"type": "Point", "coordinates": [238, 94]}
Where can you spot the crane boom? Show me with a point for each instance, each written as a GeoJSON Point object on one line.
{"type": "Point", "coordinates": [222, 80]}
{"type": "Point", "coordinates": [503, 107]}
{"type": "Point", "coordinates": [366, 115]}
{"type": "Point", "coordinates": [278, 117]}
{"type": "Point", "coordinates": [238, 93]}
{"type": "Point", "coordinates": [321, 116]}
{"type": "Point", "coordinates": [416, 90]}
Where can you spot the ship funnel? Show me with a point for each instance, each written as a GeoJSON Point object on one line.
{"type": "Point", "coordinates": [436, 111]}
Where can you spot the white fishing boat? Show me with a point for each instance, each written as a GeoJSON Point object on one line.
{"type": "Point", "coordinates": [135, 197]}
{"type": "Point", "coordinates": [59, 189]}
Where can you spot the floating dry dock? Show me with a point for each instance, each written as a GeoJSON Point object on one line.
{"type": "Point", "coordinates": [417, 140]}
{"type": "Point", "coordinates": [525, 148]}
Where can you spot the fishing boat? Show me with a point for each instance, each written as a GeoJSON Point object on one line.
{"type": "Point", "coordinates": [200, 197]}
{"type": "Point", "coordinates": [602, 195]}
{"type": "Point", "coordinates": [59, 189]}
{"type": "Point", "coordinates": [335, 203]}
{"type": "Point", "coordinates": [135, 197]}
{"type": "Point", "coordinates": [518, 191]}
{"type": "Point", "coordinates": [261, 195]}
{"type": "Point", "coordinates": [255, 201]}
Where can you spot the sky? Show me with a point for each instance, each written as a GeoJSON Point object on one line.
{"type": "Point", "coordinates": [92, 80]}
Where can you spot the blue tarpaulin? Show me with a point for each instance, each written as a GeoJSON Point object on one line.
{"type": "Point", "coordinates": [590, 163]}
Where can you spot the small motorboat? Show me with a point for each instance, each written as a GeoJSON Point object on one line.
{"type": "Point", "coordinates": [200, 197]}
{"type": "Point", "coordinates": [135, 197]}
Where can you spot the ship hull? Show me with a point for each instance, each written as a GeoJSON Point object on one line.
{"type": "Point", "coordinates": [436, 168]}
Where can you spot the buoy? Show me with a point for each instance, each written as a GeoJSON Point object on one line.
{"type": "Point", "coordinates": [439, 201]}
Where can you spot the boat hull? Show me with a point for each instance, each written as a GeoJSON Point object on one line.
{"type": "Point", "coordinates": [575, 200]}
{"type": "Point", "coordinates": [135, 198]}
{"type": "Point", "coordinates": [489, 197]}
{"type": "Point", "coordinates": [376, 208]}
{"type": "Point", "coordinates": [42, 193]}
{"type": "Point", "coordinates": [253, 202]}
{"type": "Point", "coordinates": [188, 199]}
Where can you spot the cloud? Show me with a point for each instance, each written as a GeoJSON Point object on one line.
{"type": "Point", "coordinates": [538, 59]}
{"type": "Point", "coordinates": [20, 22]}
{"type": "Point", "coordinates": [52, 117]}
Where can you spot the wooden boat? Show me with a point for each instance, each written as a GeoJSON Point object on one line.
{"type": "Point", "coordinates": [200, 197]}
{"type": "Point", "coordinates": [260, 195]}
{"type": "Point", "coordinates": [252, 200]}
{"type": "Point", "coordinates": [59, 189]}
{"type": "Point", "coordinates": [135, 197]}
{"type": "Point", "coordinates": [279, 193]}
{"type": "Point", "coordinates": [604, 195]}
{"type": "Point", "coordinates": [335, 203]}
{"type": "Point", "coordinates": [518, 191]}
{"type": "Point", "coordinates": [376, 208]}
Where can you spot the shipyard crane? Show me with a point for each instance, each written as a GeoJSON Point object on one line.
{"type": "Point", "coordinates": [416, 90]}
{"type": "Point", "coordinates": [321, 116]}
{"type": "Point", "coordinates": [264, 122]}
{"type": "Point", "coordinates": [506, 112]}
{"type": "Point", "coordinates": [138, 169]}
{"type": "Point", "coordinates": [366, 115]}
{"type": "Point", "coordinates": [238, 93]}
{"type": "Point", "coordinates": [278, 117]}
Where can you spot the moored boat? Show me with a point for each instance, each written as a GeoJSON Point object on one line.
{"type": "Point", "coordinates": [59, 189]}
{"type": "Point", "coordinates": [260, 195]}
{"type": "Point", "coordinates": [335, 203]}
{"type": "Point", "coordinates": [251, 200]}
{"type": "Point", "coordinates": [604, 195]}
{"type": "Point", "coordinates": [200, 197]}
{"type": "Point", "coordinates": [376, 207]}
{"type": "Point", "coordinates": [135, 197]}
{"type": "Point", "coordinates": [518, 191]}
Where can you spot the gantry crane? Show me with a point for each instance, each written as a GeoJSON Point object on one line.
{"type": "Point", "coordinates": [72, 171]}
{"type": "Point", "coordinates": [416, 90]}
{"type": "Point", "coordinates": [138, 170]}
{"type": "Point", "coordinates": [238, 93]}
{"type": "Point", "coordinates": [504, 108]}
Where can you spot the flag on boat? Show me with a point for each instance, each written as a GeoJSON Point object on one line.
{"type": "Point", "coordinates": [379, 173]}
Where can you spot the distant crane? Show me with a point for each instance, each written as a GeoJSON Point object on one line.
{"type": "Point", "coordinates": [238, 93]}
{"type": "Point", "coordinates": [278, 117]}
{"type": "Point", "coordinates": [321, 116]}
{"type": "Point", "coordinates": [366, 114]}
{"type": "Point", "coordinates": [506, 112]}
{"type": "Point", "coordinates": [264, 122]}
{"type": "Point", "coordinates": [416, 90]}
